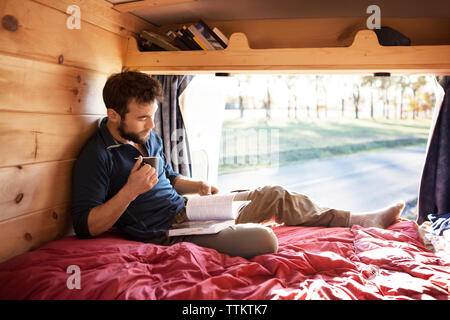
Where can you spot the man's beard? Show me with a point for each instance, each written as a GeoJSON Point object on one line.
{"type": "Point", "coordinates": [130, 136]}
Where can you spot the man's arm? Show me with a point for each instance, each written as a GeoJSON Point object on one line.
{"type": "Point", "coordinates": [103, 217]}
{"type": "Point", "coordinates": [141, 179]}
{"type": "Point", "coordinates": [185, 185]}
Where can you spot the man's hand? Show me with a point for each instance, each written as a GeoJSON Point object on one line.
{"type": "Point", "coordinates": [185, 185]}
{"type": "Point", "coordinates": [205, 189]}
{"type": "Point", "coordinates": [141, 179]}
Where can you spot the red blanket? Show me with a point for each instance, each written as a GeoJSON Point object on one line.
{"type": "Point", "coordinates": [312, 263]}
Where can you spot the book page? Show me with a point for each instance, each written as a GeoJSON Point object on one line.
{"type": "Point", "coordinates": [199, 227]}
{"type": "Point", "coordinates": [214, 207]}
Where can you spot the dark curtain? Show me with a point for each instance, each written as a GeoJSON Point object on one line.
{"type": "Point", "coordinates": [169, 124]}
{"type": "Point", "coordinates": [434, 191]}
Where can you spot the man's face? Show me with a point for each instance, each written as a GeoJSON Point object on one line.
{"type": "Point", "coordinates": [138, 122]}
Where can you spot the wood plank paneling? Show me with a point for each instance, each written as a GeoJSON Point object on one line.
{"type": "Point", "coordinates": [42, 34]}
{"type": "Point", "coordinates": [32, 137]}
{"type": "Point", "coordinates": [35, 86]}
{"type": "Point", "coordinates": [51, 82]}
{"type": "Point", "coordinates": [100, 13]}
{"type": "Point", "coordinates": [31, 231]}
{"type": "Point", "coordinates": [27, 188]}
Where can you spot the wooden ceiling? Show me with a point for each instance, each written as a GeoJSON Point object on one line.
{"type": "Point", "coordinates": [165, 12]}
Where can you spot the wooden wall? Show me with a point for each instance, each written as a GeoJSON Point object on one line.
{"type": "Point", "coordinates": [51, 80]}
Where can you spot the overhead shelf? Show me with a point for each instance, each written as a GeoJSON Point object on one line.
{"type": "Point", "coordinates": [365, 55]}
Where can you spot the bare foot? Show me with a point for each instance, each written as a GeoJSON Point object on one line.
{"type": "Point", "coordinates": [382, 218]}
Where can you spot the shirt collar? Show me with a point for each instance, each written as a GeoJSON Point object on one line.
{"type": "Point", "coordinates": [108, 139]}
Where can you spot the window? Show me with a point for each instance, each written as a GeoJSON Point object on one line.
{"type": "Point", "coordinates": [347, 141]}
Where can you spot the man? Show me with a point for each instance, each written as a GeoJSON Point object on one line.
{"type": "Point", "coordinates": [111, 188]}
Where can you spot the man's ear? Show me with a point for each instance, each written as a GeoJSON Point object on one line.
{"type": "Point", "coordinates": [112, 115]}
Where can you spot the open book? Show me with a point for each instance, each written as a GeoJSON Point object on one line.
{"type": "Point", "coordinates": [208, 215]}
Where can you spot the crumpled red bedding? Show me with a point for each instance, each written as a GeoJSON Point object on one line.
{"type": "Point", "coordinates": [312, 263]}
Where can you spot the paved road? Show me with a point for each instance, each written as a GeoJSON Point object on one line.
{"type": "Point", "coordinates": [357, 182]}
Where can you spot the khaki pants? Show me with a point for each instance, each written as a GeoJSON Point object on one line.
{"type": "Point", "coordinates": [248, 238]}
{"type": "Point", "coordinates": [290, 208]}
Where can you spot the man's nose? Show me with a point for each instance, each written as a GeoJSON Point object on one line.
{"type": "Point", "coordinates": [150, 124]}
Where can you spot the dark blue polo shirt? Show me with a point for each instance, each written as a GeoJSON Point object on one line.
{"type": "Point", "coordinates": [102, 169]}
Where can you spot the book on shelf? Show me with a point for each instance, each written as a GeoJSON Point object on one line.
{"type": "Point", "coordinates": [145, 45]}
{"type": "Point", "coordinates": [221, 36]}
{"type": "Point", "coordinates": [208, 215]}
{"type": "Point", "coordinates": [177, 40]}
{"type": "Point", "coordinates": [196, 32]}
{"type": "Point", "coordinates": [159, 40]}
{"type": "Point", "coordinates": [187, 42]}
{"type": "Point", "coordinates": [198, 36]}
{"type": "Point", "coordinates": [188, 39]}
{"type": "Point", "coordinates": [193, 37]}
{"type": "Point", "coordinates": [216, 41]}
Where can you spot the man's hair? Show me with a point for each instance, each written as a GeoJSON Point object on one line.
{"type": "Point", "coordinates": [121, 87]}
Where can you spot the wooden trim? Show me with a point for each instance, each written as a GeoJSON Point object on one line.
{"type": "Point", "coordinates": [31, 231]}
{"type": "Point", "coordinates": [365, 55]}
